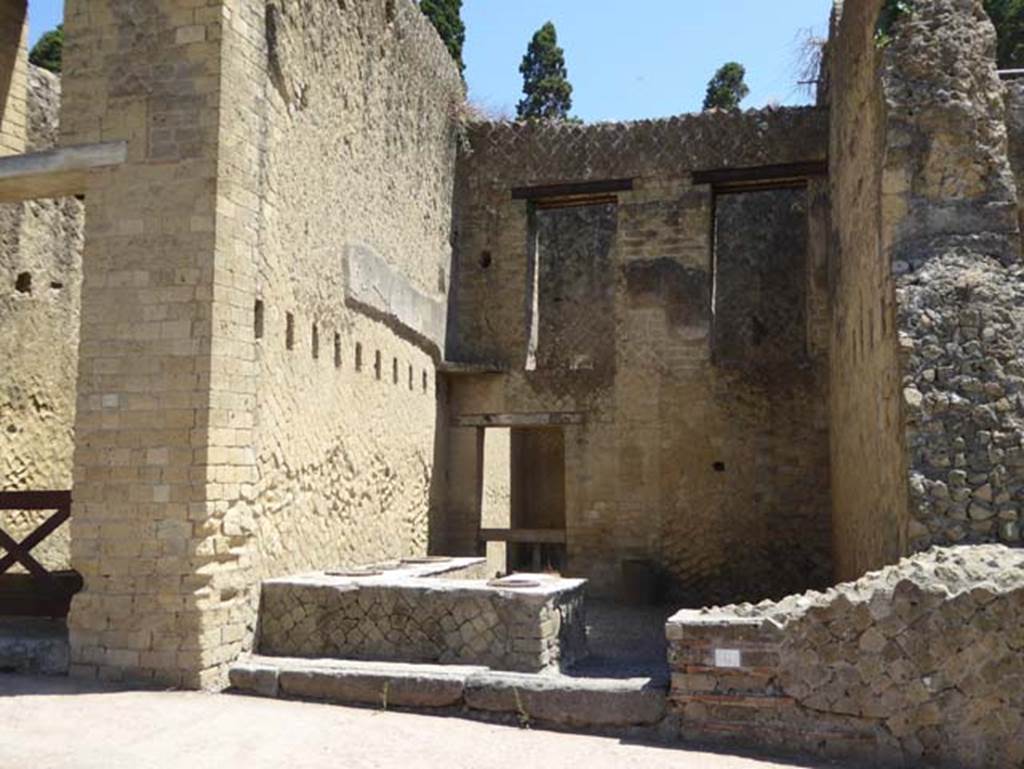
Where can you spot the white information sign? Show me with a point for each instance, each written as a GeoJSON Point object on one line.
{"type": "Point", "coordinates": [728, 658]}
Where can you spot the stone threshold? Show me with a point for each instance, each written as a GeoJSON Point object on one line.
{"type": "Point", "coordinates": [546, 699]}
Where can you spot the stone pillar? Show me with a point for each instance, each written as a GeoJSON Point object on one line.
{"type": "Point", "coordinates": [13, 76]}
{"type": "Point", "coordinates": [868, 457]}
{"type": "Point", "coordinates": [165, 385]}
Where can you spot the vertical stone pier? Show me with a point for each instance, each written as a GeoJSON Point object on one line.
{"type": "Point", "coordinates": [13, 76]}
{"type": "Point", "coordinates": [165, 382]}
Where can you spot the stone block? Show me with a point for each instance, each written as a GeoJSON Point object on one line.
{"type": "Point", "coordinates": [568, 701]}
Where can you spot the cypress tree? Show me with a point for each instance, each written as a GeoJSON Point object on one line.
{"type": "Point", "coordinates": [547, 94]}
{"type": "Point", "coordinates": [48, 50]}
{"type": "Point", "coordinates": [727, 88]}
{"type": "Point", "coordinates": [446, 16]}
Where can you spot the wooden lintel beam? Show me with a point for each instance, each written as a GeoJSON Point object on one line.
{"type": "Point", "coordinates": [761, 177]}
{"type": "Point", "coordinates": [524, 536]}
{"type": "Point", "coordinates": [518, 420]}
{"type": "Point", "coordinates": [572, 190]}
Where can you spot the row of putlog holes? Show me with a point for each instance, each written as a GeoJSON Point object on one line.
{"type": "Point", "coordinates": [378, 360]}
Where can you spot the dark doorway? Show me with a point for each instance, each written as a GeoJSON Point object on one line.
{"type": "Point", "coordinates": [538, 497]}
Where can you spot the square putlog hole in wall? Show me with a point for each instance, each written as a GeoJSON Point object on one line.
{"type": "Point", "coordinates": [257, 319]}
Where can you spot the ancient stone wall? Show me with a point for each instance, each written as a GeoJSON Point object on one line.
{"type": "Point", "coordinates": [150, 416]}
{"type": "Point", "coordinates": [40, 261]}
{"type": "Point", "coordinates": [574, 318]}
{"type": "Point", "coordinates": [952, 227]}
{"type": "Point", "coordinates": [356, 163]}
{"type": "Point", "coordinates": [1015, 127]}
{"type": "Point", "coordinates": [717, 476]}
{"type": "Point", "coordinates": [13, 76]}
{"type": "Point", "coordinates": [869, 489]}
{"type": "Point", "coordinates": [246, 407]}
{"type": "Point", "coordinates": [919, 664]}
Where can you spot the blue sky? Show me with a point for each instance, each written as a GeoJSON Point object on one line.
{"type": "Point", "coordinates": [633, 59]}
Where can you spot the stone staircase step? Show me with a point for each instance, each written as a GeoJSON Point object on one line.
{"type": "Point", "coordinates": [543, 698]}
{"type": "Point", "coordinates": [352, 681]}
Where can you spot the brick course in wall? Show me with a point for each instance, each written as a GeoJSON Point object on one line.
{"type": "Point", "coordinates": [915, 665]}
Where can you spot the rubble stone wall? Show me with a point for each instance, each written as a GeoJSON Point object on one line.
{"type": "Point", "coordinates": [40, 265]}
{"type": "Point", "coordinates": [919, 664]}
{"type": "Point", "coordinates": [717, 476]}
{"type": "Point", "coordinates": [952, 216]}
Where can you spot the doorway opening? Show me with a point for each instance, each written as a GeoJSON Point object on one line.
{"type": "Point", "coordinates": [523, 510]}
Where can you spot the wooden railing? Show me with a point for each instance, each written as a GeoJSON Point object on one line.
{"type": "Point", "coordinates": [40, 592]}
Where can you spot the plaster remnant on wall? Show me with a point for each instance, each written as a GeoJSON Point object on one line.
{"type": "Point", "coordinates": [378, 289]}
{"type": "Point", "coordinates": [663, 282]}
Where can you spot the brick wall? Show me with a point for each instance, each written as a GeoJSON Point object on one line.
{"type": "Point", "coordinates": [869, 490]}
{"type": "Point", "coordinates": [677, 460]}
{"type": "Point", "coordinates": [144, 537]}
{"type": "Point", "coordinates": [212, 448]}
{"type": "Point", "coordinates": [13, 76]}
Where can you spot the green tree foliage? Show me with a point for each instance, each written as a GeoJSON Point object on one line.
{"type": "Point", "coordinates": [892, 11]}
{"type": "Point", "coordinates": [546, 88]}
{"type": "Point", "coordinates": [446, 16]}
{"type": "Point", "coordinates": [727, 88]}
{"type": "Point", "coordinates": [48, 50]}
{"type": "Point", "coordinates": [1008, 17]}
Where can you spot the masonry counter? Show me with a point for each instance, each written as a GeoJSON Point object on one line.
{"type": "Point", "coordinates": [427, 611]}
